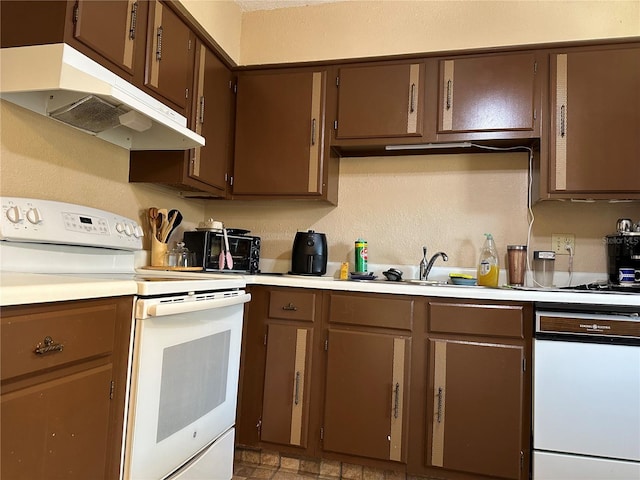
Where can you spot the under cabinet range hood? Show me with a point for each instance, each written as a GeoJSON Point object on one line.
{"type": "Point", "coordinates": [62, 83]}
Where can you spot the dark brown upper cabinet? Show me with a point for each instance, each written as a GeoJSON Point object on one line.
{"type": "Point", "coordinates": [170, 56]}
{"type": "Point", "coordinates": [378, 103]}
{"type": "Point", "coordinates": [280, 145]}
{"type": "Point", "coordinates": [112, 33]}
{"type": "Point", "coordinates": [489, 97]}
{"type": "Point", "coordinates": [204, 171]}
{"type": "Point", "coordinates": [594, 141]}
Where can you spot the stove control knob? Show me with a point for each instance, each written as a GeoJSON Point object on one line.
{"type": "Point", "coordinates": [119, 227]}
{"type": "Point", "coordinates": [138, 232]}
{"type": "Point", "coordinates": [128, 230]}
{"type": "Point", "coordinates": [34, 216]}
{"type": "Point", "coordinates": [14, 214]}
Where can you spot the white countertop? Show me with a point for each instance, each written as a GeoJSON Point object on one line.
{"type": "Point", "coordinates": [450, 291]}
{"type": "Point", "coordinates": [18, 288]}
{"type": "Point", "coordinates": [25, 288]}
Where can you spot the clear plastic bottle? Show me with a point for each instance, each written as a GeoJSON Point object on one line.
{"type": "Point", "coordinates": [488, 264]}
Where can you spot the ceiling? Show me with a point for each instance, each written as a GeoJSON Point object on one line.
{"type": "Point", "coordinates": [253, 5]}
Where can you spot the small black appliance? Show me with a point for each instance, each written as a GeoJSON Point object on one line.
{"type": "Point", "coordinates": [309, 254]}
{"type": "Point", "coordinates": [623, 251]}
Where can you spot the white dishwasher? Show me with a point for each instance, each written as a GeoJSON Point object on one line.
{"type": "Point", "coordinates": [586, 404]}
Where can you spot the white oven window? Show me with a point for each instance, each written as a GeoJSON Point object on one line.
{"type": "Point", "coordinates": [194, 381]}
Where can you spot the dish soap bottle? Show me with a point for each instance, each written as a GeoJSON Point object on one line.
{"type": "Point", "coordinates": [489, 265]}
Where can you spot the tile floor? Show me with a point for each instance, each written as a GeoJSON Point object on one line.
{"type": "Point", "coordinates": [256, 464]}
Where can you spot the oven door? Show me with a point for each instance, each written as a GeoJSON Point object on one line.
{"type": "Point", "coordinates": [586, 410]}
{"type": "Point", "coordinates": [184, 381]}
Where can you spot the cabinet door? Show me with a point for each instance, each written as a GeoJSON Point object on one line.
{"type": "Point", "coordinates": [477, 397]}
{"type": "Point", "coordinates": [280, 133]}
{"type": "Point", "coordinates": [285, 403]}
{"type": "Point", "coordinates": [364, 398]}
{"type": "Point", "coordinates": [213, 115]}
{"type": "Point", "coordinates": [380, 101]}
{"type": "Point", "coordinates": [169, 56]}
{"type": "Point", "coordinates": [595, 144]}
{"type": "Point", "coordinates": [59, 429]}
{"type": "Point", "coordinates": [488, 93]}
{"type": "Point", "coordinates": [110, 28]}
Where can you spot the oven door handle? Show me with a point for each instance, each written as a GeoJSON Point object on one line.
{"type": "Point", "coordinates": [160, 310]}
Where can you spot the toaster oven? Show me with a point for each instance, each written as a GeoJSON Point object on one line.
{"type": "Point", "coordinates": [207, 245]}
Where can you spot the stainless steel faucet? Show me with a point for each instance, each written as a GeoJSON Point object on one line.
{"type": "Point", "coordinates": [425, 267]}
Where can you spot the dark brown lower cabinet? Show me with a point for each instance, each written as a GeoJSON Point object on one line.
{"type": "Point", "coordinates": [476, 390]}
{"type": "Point", "coordinates": [432, 387]}
{"type": "Point", "coordinates": [277, 384]}
{"type": "Point", "coordinates": [368, 349]}
{"type": "Point", "coordinates": [62, 407]}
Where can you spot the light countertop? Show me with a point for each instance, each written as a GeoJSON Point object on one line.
{"type": "Point", "coordinates": [25, 288]}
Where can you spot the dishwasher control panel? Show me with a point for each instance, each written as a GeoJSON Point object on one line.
{"type": "Point", "coordinates": [47, 221]}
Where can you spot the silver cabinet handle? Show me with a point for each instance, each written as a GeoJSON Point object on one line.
{"type": "Point", "coordinates": [563, 114]}
{"type": "Point", "coordinates": [48, 346]}
{"type": "Point", "coordinates": [202, 110]}
{"type": "Point", "coordinates": [396, 400]}
{"type": "Point", "coordinates": [412, 103]}
{"type": "Point", "coordinates": [134, 20]}
{"type": "Point", "coordinates": [313, 131]}
{"type": "Point", "coordinates": [297, 389]}
{"type": "Point", "coordinates": [159, 47]}
{"type": "Point", "coordinates": [449, 86]}
{"type": "Point", "coordinates": [291, 307]}
{"type": "Point", "coordinates": [439, 416]}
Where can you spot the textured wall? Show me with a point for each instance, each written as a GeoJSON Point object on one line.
{"type": "Point", "coordinates": [371, 28]}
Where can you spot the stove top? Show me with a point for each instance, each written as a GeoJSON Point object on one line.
{"type": "Point", "coordinates": [606, 287]}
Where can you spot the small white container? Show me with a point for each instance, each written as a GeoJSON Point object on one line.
{"type": "Point", "coordinates": [543, 268]}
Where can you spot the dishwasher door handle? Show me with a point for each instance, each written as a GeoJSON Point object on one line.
{"type": "Point", "coordinates": [177, 308]}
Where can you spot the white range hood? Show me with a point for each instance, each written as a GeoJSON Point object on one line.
{"type": "Point", "coordinates": [62, 83]}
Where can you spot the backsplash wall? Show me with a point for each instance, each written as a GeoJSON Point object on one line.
{"type": "Point", "coordinates": [445, 202]}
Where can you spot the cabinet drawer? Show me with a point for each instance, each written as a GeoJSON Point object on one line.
{"type": "Point", "coordinates": [292, 305]}
{"type": "Point", "coordinates": [374, 311]}
{"type": "Point", "coordinates": [476, 319]}
{"type": "Point", "coordinates": [82, 331]}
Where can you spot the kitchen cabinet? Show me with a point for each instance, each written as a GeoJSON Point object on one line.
{"type": "Point", "coordinates": [203, 171]}
{"type": "Point", "coordinates": [281, 150]}
{"type": "Point", "coordinates": [594, 123]}
{"type": "Point", "coordinates": [477, 400]}
{"type": "Point", "coordinates": [110, 32]}
{"type": "Point", "coordinates": [378, 103]}
{"type": "Point", "coordinates": [63, 385]}
{"type": "Point", "coordinates": [276, 368]}
{"type": "Point", "coordinates": [169, 56]}
{"type": "Point", "coordinates": [490, 96]}
{"type": "Point", "coordinates": [368, 349]}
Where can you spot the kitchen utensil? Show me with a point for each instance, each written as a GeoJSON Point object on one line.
{"type": "Point", "coordinates": [175, 219]}
{"type": "Point", "coordinates": [153, 217]}
{"type": "Point", "coordinates": [624, 225]}
{"type": "Point", "coordinates": [225, 253]}
{"type": "Point", "coordinates": [393, 274]}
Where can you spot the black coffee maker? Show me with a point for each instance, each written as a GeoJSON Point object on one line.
{"type": "Point", "coordinates": [623, 251]}
{"type": "Point", "coordinates": [309, 254]}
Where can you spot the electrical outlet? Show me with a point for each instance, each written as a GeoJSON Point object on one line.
{"type": "Point", "coordinates": [561, 241]}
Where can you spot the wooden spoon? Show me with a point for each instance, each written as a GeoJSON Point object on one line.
{"type": "Point", "coordinates": [153, 217]}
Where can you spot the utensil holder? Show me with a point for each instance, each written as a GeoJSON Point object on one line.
{"type": "Point", "coordinates": [158, 252]}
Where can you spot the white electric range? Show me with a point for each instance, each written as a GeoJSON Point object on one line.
{"type": "Point", "coordinates": [185, 354]}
